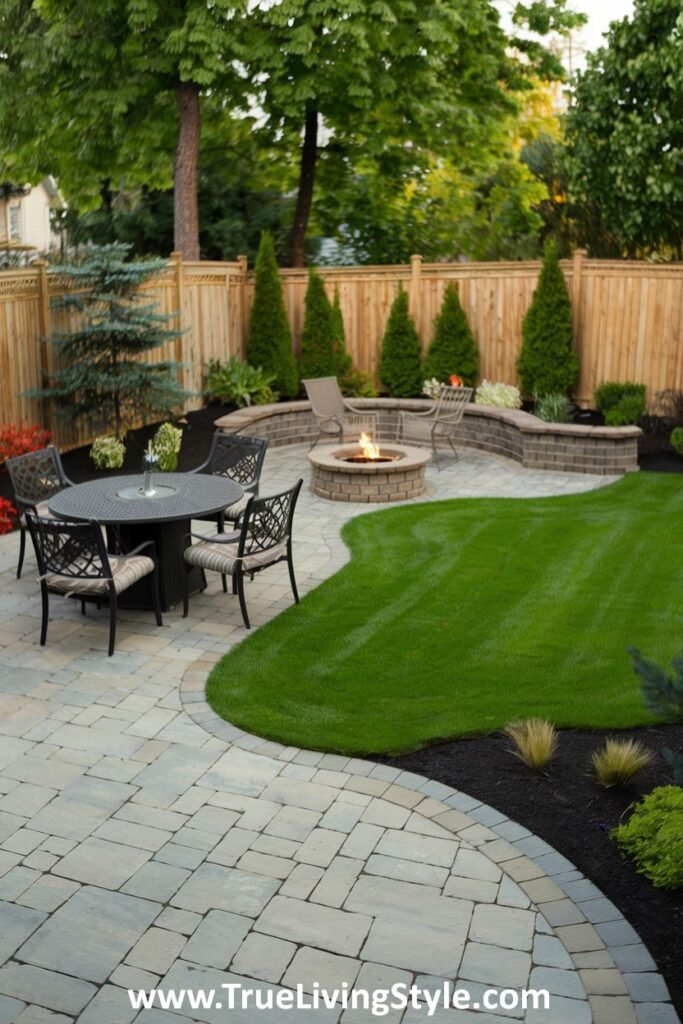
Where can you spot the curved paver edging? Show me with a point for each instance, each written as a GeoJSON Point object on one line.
{"type": "Point", "coordinates": [566, 447]}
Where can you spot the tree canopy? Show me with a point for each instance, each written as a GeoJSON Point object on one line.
{"type": "Point", "coordinates": [625, 131]}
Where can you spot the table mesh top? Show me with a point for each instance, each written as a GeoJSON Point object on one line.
{"type": "Point", "coordinates": [196, 494]}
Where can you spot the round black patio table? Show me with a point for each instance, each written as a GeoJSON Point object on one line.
{"type": "Point", "coordinates": [165, 518]}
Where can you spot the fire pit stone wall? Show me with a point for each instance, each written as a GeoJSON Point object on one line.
{"type": "Point", "coordinates": [333, 477]}
{"type": "Point", "coordinates": [508, 432]}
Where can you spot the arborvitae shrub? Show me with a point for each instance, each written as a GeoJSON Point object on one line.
{"type": "Point", "coordinates": [547, 363]}
{"type": "Point", "coordinates": [453, 348]}
{"type": "Point", "coordinates": [352, 382]}
{"type": "Point", "coordinates": [270, 339]}
{"type": "Point", "coordinates": [318, 355]}
{"type": "Point", "coordinates": [400, 366]}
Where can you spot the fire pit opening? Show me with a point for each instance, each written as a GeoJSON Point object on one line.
{"type": "Point", "coordinates": [369, 453]}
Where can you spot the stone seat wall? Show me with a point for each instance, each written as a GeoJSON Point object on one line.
{"type": "Point", "coordinates": [510, 433]}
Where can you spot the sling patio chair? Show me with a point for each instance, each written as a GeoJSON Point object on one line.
{"type": "Point", "coordinates": [73, 561]}
{"type": "Point", "coordinates": [237, 458]}
{"type": "Point", "coordinates": [35, 477]}
{"type": "Point", "coordinates": [337, 418]}
{"type": "Point", "coordinates": [264, 539]}
{"type": "Point", "coordinates": [437, 424]}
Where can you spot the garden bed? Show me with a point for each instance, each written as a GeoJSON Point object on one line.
{"type": "Point", "coordinates": [575, 816]}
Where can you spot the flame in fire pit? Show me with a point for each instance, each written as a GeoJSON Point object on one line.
{"type": "Point", "coordinates": [369, 449]}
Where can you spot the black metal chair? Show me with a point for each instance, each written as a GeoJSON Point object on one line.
{"type": "Point", "coordinates": [240, 459]}
{"type": "Point", "coordinates": [35, 477]}
{"type": "Point", "coordinates": [73, 560]}
{"type": "Point", "coordinates": [264, 539]}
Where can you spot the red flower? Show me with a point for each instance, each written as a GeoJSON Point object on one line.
{"type": "Point", "coordinates": [20, 440]}
{"type": "Point", "coordinates": [455, 381]}
{"type": "Point", "coordinates": [8, 515]}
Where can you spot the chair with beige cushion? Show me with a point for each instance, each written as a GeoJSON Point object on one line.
{"type": "Point", "coordinates": [337, 418]}
{"type": "Point", "coordinates": [239, 458]}
{"type": "Point", "coordinates": [73, 561]}
{"type": "Point", "coordinates": [35, 477]}
{"type": "Point", "coordinates": [438, 423]}
{"type": "Point", "coordinates": [264, 539]}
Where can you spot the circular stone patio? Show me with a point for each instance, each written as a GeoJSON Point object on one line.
{"type": "Point", "coordinates": [145, 842]}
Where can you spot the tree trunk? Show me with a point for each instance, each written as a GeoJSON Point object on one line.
{"type": "Point", "coordinates": [304, 199]}
{"type": "Point", "coordinates": [185, 210]}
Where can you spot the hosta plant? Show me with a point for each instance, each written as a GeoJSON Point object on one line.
{"type": "Point", "coordinates": [504, 396]}
{"type": "Point", "coordinates": [166, 446]}
{"type": "Point", "coordinates": [107, 452]}
{"type": "Point", "coordinates": [236, 382]}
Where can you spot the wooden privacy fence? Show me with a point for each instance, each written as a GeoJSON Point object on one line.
{"type": "Point", "coordinates": [628, 319]}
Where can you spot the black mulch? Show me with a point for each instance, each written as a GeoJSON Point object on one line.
{"type": "Point", "coordinates": [575, 816]}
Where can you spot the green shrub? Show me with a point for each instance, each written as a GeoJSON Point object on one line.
{"type": "Point", "coordinates": [270, 339]}
{"type": "Point", "coordinates": [352, 382]}
{"type": "Point", "coordinates": [107, 453]}
{"type": "Point", "coordinates": [653, 837]}
{"type": "Point", "coordinates": [453, 348]}
{"type": "Point", "coordinates": [548, 363]}
{"type": "Point", "coordinates": [662, 693]}
{"type": "Point", "coordinates": [554, 408]}
{"type": "Point", "coordinates": [677, 440]}
{"type": "Point", "coordinates": [319, 355]}
{"type": "Point", "coordinates": [400, 369]}
{"type": "Point", "coordinates": [166, 446]}
{"type": "Point", "coordinates": [237, 382]}
{"type": "Point", "coordinates": [611, 393]}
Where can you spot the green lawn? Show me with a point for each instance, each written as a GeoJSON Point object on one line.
{"type": "Point", "coordinates": [455, 617]}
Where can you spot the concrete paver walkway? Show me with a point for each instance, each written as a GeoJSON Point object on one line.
{"type": "Point", "coordinates": [146, 843]}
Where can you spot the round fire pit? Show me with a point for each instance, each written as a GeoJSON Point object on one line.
{"type": "Point", "coordinates": [346, 474]}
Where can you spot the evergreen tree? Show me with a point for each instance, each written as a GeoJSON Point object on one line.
{"type": "Point", "coordinates": [453, 348]}
{"type": "Point", "coordinates": [270, 339]}
{"type": "Point", "coordinates": [105, 381]}
{"type": "Point", "coordinates": [342, 359]}
{"type": "Point", "coordinates": [547, 363]}
{"type": "Point", "coordinates": [400, 365]}
{"type": "Point", "coordinates": [318, 356]}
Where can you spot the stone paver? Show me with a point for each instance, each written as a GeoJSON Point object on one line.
{"type": "Point", "coordinates": [145, 843]}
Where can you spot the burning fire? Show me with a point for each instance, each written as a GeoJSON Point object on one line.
{"type": "Point", "coordinates": [368, 448]}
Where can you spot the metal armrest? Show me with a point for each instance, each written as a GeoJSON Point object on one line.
{"type": "Point", "coordinates": [139, 548]}
{"type": "Point", "coordinates": [217, 538]}
{"type": "Point", "coordinates": [424, 413]}
{"type": "Point", "coordinates": [358, 411]}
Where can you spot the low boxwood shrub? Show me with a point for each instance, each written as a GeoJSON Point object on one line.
{"type": "Point", "coordinates": [621, 404]}
{"type": "Point", "coordinates": [653, 837]}
{"type": "Point", "coordinates": [677, 440]}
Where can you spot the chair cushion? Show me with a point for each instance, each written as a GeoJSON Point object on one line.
{"type": "Point", "coordinates": [223, 557]}
{"type": "Point", "coordinates": [235, 510]}
{"type": "Point", "coordinates": [126, 570]}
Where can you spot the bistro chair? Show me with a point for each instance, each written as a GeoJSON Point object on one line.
{"type": "Point", "coordinates": [35, 477]}
{"type": "Point", "coordinates": [264, 539]}
{"type": "Point", "coordinates": [73, 561]}
{"type": "Point", "coordinates": [336, 417]}
{"type": "Point", "coordinates": [437, 424]}
{"type": "Point", "coordinates": [240, 459]}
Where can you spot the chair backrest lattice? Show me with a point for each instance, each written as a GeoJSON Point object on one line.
{"type": "Point", "coordinates": [36, 476]}
{"type": "Point", "coordinates": [236, 457]}
{"type": "Point", "coordinates": [452, 403]}
{"type": "Point", "coordinates": [325, 397]}
{"type": "Point", "coordinates": [76, 550]}
{"type": "Point", "coordinates": [268, 521]}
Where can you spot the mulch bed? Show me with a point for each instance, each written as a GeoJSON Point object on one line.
{"type": "Point", "coordinates": [575, 816]}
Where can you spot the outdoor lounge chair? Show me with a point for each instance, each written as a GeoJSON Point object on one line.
{"type": "Point", "coordinates": [264, 539]}
{"type": "Point", "coordinates": [35, 477]}
{"type": "Point", "coordinates": [438, 423]}
{"type": "Point", "coordinates": [73, 561]}
{"type": "Point", "coordinates": [336, 417]}
{"type": "Point", "coordinates": [238, 458]}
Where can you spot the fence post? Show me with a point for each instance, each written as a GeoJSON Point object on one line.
{"type": "Point", "coordinates": [44, 341]}
{"type": "Point", "coordinates": [244, 268]}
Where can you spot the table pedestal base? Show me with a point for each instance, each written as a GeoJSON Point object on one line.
{"type": "Point", "coordinates": [171, 540]}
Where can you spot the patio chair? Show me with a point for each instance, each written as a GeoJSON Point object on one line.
{"type": "Point", "coordinates": [73, 561]}
{"type": "Point", "coordinates": [337, 418]}
{"type": "Point", "coordinates": [238, 458]}
{"type": "Point", "coordinates": [35, 477]}
{"type": "Point", "coordinates": [264, 539]}
{"type": "Point", "coordinates": [438, 423]}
